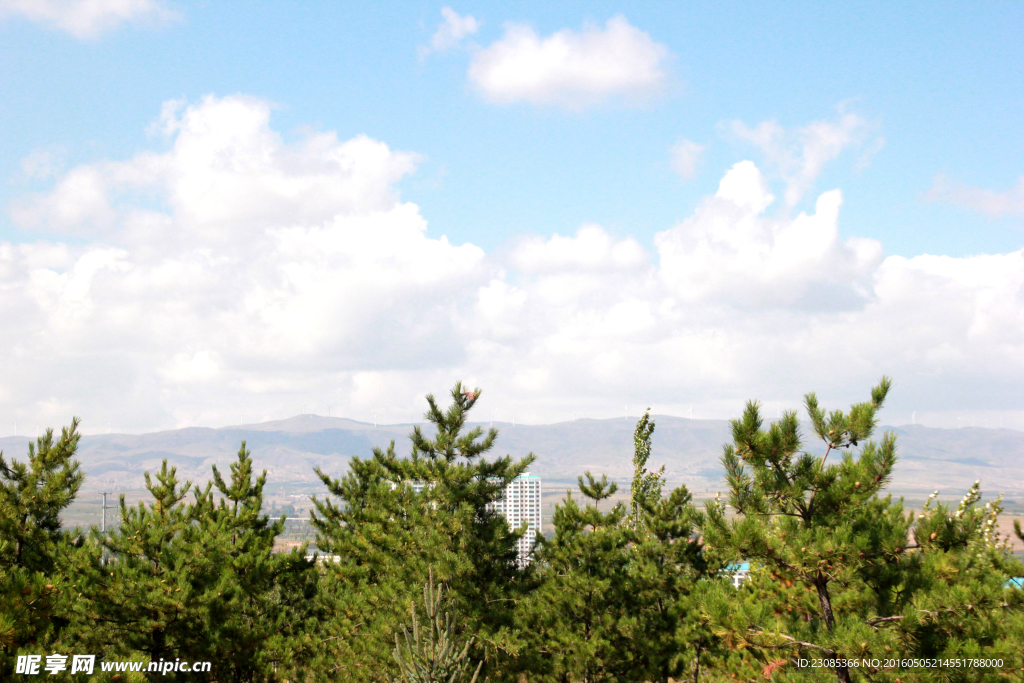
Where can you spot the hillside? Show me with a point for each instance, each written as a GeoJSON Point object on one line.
{"type": "Point", "coordinates": [946, 459]}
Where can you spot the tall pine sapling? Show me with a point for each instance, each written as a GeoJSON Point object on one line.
{"type": "Point", "coordinates": [666, 563]}
{"type": "Point", "coordinates": [432, 654]}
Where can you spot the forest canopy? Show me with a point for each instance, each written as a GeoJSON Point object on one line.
{"type": "Point", "coordinates": [416, 577]}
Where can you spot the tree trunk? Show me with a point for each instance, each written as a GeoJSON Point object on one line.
{"type": "Point", "coordinates": [842, 673]}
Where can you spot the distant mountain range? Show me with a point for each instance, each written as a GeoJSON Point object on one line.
{"type": "Point", "coordinates": [946, 459]}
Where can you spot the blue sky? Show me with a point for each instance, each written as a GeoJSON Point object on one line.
{"type": "Point", "coordinates": [913, 110]}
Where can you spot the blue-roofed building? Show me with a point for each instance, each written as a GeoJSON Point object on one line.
{"type": "Point", "coordinates": [738, 573]}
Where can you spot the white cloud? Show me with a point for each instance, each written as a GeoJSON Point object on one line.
{"type": "Point", "coordinates": [989, 202]}
{"type": "Point", "coordinates": [227, 173]}
{"type": "Point", "coordinates": [800, 155]}
{"type": "Point", "coordinates": [591, 249]}
{"type": "Point", "coordinates": [728, 251]}
{"type": "Point", "coordinates": [233, 259]}
{"type": "Point", "coordinates": [738, 305]}
{"type": "Point", "coordinates": [235, 273]}
{"type": "Point", "coordinates": [686, 157]}
{"type": "Point", "coordinates": [572, 69]}
{"type": "Point", "coordinates": [87, 19]}
{"type": "Point", "coordinates": [451, 32]}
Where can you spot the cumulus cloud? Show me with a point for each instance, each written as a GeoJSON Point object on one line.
{"type": "Point", "coordinates": [800, 155]}
{"type": "Point", "coordinates": [227, 173]}
{"type": "Point", "coordinates": [686, 157]}
{"type": "Point", "coordinates": [730, 252]}
{"type": "Point", "coordinates": [988, 202]}
{"type": "Point", "coordinates": [239, 274]}
{"type": "Point", "coordinates": [451, 32]}
{"type": "Point", "coordinates": [736, 304]}
{"type": "Point", "coordinates": [87, 19]}
{"type": "Point", "coordinates": [572, 69]}
{"type": "Point", "coordinates": [233, 257]}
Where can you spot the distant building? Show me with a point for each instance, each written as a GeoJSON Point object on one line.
{"type": "Point", "coordinates": [322, 558]}
{"type": "Point", "coordinates": [738, 573]}
{"type": "Point", "coordinates": [521, 503]}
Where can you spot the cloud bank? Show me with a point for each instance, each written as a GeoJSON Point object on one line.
{"type": "Point", "coordinates": [237, 277]}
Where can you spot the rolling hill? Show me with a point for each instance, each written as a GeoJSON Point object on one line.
{"type": "Point", "coordinates": [945, 459]}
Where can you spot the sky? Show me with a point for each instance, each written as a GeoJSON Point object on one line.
{"type": "Point", "coordinates": [215, 213]}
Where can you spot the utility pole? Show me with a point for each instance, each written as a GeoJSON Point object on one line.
{"type": "Point", "coordinates": [103, 523]}
{"type": "Point", "coordinates": [105, 507]}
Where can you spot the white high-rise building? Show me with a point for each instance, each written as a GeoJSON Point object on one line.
{"type": "Point", "coordinates": [521, 503]}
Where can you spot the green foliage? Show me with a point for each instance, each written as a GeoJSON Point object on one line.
{"type": "Point", "coordinates": [579, 616]}
{"type": "Point", "coordinates": [616, 600]}
{"type": "Point", "coordinates": [391, 521]}
{"type": "Point", "coordinates": [433, 656]}
{"type": "Point", "coordinates": [646, 487]}
{"type": "Point", "coordinates": [34, 550]}
{"type": "Point", "coordinates": [834, 569]}
{"type": "Point", "coordinates": [633, 590]}
{"type": "Point", "coordinates": [32, 496]}
{"type": "Point", "coordinates": [196, 580]}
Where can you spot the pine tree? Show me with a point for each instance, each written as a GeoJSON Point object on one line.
{"type": "Point", "coordinates": [195, 580]}
{"type": "Point", "coordinates": [667, 563]}
{"type": "Point", "coordinates": [616, 599]}
{"type": "Point", "coordinates": [966, 603]}
{"type": "Point", "coordinates": [258, 620]}
{"type": "Point", "coordinates": [836, 572]}
{"type": "Point", "coordinates": [152, 596]}
{"type": "Point", "coordinates": [392, 520]}
{"type": "Point", "coordinates": [34, 549]}
{"type": "Point", "coordinates": [578, 621]}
